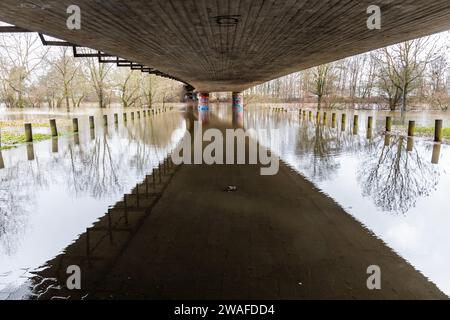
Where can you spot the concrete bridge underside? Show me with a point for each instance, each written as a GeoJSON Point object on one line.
{"type": "Point", "coordinates": [230, 45]}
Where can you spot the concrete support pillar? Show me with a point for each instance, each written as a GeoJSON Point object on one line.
{"type": "Point", "coordinates": [203, 101]}
{"type": "Point", "coordinates": [238, 109]}
{"type": "Point", "coordinates": [238, 101]}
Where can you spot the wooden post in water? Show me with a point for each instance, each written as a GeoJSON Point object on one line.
{"type": "Point", "coordinates": [343, 122]}
{"type": "Point", "coordinates": [318, 117]}
{"type": "Point", "coordinates": [333, 120]}
{"type": "Point", "coordinates": [53, 128]}
{"type": "Point", "coordinates": [124, 117]}
{"type": "Point", "coordinates": [438, 132]}
{"type": "Point", "coordinates": [410, 144]}
{"type": "Point", "coordinates": [436, 153]}
{"type": "Point", "coordinates": [116, 118]}
{"type": "Point", "coordinates": [138, 114]}
{"type": "Point", "coordinates": [325, 118]}
{"type": "Point", "coordinates": [75, 125]}
{"type": "Point", "coordinates": [310, 115]}
{"type": "Point", "coordinates": [387, 140]}
{"type": "Point", "coordinates": [411, 128]}
{"type": "Point", "coordinates": [355, 124]}
{"type": "Point", "coordinates": [105, 120]}
{"type": "Point", "coordinates": [91, 122]}
{"type": "Point", "coordinates": [132, 116]}
{"type": "Point", "coordinates": [388, 124]}
{"type": "Point", "coordinates": [28, 133]}
{"type": "Point", "coordinates": [30, 152]}
{"type": "Point", "coordinates": [370, 123]}
{"type": "Point", "coordinates": [55, 144]}
{"type": "Point", "coordinates": [369, 127]}
{"type": "Point", "coordinates": [2, 164]}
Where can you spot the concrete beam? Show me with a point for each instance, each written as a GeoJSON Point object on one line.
{"type": "Point", "coordinates": [236, 45]}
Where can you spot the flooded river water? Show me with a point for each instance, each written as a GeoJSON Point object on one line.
{"type": "Point", "coordinates": [51, 191]}
{"type": "Point", "coordinates": [396, 186]}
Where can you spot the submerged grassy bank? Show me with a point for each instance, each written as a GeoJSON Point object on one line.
{"type": "Point", "coordinates": [11, 140]}
{"type": "Point", "coordinates": [422, 131]}
{"type": "Point", "coordinates": [12, 133]}
{"type": "Point", "coordinates": [429, 131]}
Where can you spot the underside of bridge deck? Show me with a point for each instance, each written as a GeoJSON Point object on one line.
{"type": "Point", "coordinates": [230, 45]}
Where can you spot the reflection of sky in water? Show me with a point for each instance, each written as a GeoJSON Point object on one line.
{"type": "Point", "coordinates": [47, 202]}
{"type": "Point", "coordinates": [399, 195]}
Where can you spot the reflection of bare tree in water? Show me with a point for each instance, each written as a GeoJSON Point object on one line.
{"type": "Point", "coordinates": [395, 178]}
{"type": "Point", "coordinates": [16, 200]}
{"type": "Point", "coordinates": [317, 146]}
{"type": "Point", "coordinates": [94, 170]}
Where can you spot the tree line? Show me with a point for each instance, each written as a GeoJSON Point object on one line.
{"type": "Point", "coordinates": [32, 75]}
{"type": "Point", "coordinates": [413, 74]}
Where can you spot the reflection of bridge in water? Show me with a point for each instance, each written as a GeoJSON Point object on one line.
{"type": "Point", "coordinates": [169, 242]}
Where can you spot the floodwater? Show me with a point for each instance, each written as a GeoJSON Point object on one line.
{"type": "Point", "coordinates": [398, 187]}
{"type": "Point", "coordinates": [51, 191]}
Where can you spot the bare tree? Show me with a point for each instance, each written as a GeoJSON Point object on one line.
{"type": "Point", "coordinates": [21, 56]}
{"type": "Point", "coordinates": [98, 77]}
{"type": "Point", "coordinates": [405, 63]}
{"type": "Point", "coordinates": [129, 87]}
{"type": "Point", "coordinates": [322, 77]}
{"type": "Point", "coordinates": [66, 69]}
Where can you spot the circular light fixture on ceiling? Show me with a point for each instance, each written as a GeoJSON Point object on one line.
{"type": "Point", "coordinates": [227, 20]}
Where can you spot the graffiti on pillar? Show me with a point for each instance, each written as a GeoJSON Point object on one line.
{"type": "Point", "coordinates": [238, 103]}
{"type": "Point", "coordinates": [203, 102]}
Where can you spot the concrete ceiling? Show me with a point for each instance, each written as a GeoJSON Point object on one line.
{"type": "Point", "coordinates": [187, 39]}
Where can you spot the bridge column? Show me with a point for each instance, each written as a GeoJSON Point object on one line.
{"type": "Point", "coordinates": [203, 101]}
{"type": "Point", "coordinates": [203, 107]}
{"type": "Point", "coordinates": [238, 109]}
